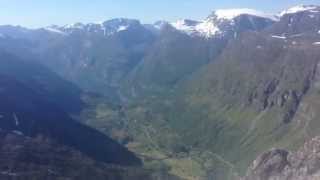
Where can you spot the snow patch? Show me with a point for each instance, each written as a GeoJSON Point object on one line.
{"type": "Point", "coordinates": [207, 28]}
{"type": "Point", "coordinates": [297, 9]}
{"type": "Point", "coordinates": [279, 37]}
{"type": "Point", "coordinates": [316, 43]}
{"type": "Point", "coordinates": [18, 132]}
{"type": "Point", "coordinates": [204, 28]}
{"type": "Point", "coordinates": [186, 26]}
{"type": "Point", "coordinates": [74, 26]}
{"type": "Point", "coordinates": [312, 16]}
{"type": "Point", "coordinates": [104, 30]}
{"type": "Point", "coordinates": [16, 120]}
{"type": "Point", "coordinates": [54, 30]}
{"type": "Point", "coordinates": [210, 26]}
{"type": "Point", "coordinates": [296, 35]}
{"type": "Point", "coordinates": [122, 28]}
{"type": "Point", "coordinates": [314, 11]}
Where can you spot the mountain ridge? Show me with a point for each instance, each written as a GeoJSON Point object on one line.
{"type": "Point", "coordinates": [219, 14]}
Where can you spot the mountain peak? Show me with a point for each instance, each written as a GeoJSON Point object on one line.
{"type": "Point", "coordinates": [186, 25]}
{"type": "Point", "coordinates": [220, 22]}
{"type": "Point", "coordinates": [108, 27]}
{"type": "Point", "coordinates": [202, 28]}
{"type": "Point", "coordinates": [74, 26]}
{"type": "Point", "coordinates": [229, 14]}
{"type": "Point", "coordinates": [187, 22]}
{"type": "Point", "coordinates": [300, 8]}
{"type": "Point", "coordinates": [121, 21]}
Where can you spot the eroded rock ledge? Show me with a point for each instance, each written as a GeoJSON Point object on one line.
{"type": "Point", "coordinates": [278, 164]}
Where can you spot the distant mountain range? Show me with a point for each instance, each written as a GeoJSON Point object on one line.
{"type": "Point", "coordinates": [212, 26]}
{"type": "Point", "coordinates": [194, 99]}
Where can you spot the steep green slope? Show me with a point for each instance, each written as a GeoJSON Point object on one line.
{"type": "Point", "coordinates": [250, 96]}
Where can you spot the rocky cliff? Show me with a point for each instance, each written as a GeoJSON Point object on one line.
{"type": "Point", "coordinates": [278, 164]}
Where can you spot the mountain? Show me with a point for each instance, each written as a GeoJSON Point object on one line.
{"type": "Point", "coordinates": [97, 60]}
{"type": "Point", "coordinates": [98, 57]}
{"type": "Point", "coordinates": [298, 20]}
{"type": "Point", "coordinates": [258, 92]}
{"type": "Point", "coordinates": [253, 96]}
{"type": "Point", "coordinates": [197, 99]}
{"type": "Point", "coordinates": [182, 48]}
{"type": "Point", "coordinates": [226, 22]}
{"type": "Point", "coordinates": [300, 9]}
{"type": "Point", "coordinates": [106, 28]}
{"type": "Point", "coordinates": [83, 53]}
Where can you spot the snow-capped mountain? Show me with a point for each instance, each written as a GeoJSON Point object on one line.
{"type": "Point", "coordinates": [209, 27]}
{"type": "Point", "coordinates": [301, 8]}
{"type": "Point", "coordinates": [187, 26]}
{"type": "Point", "coordinates": [221, 22]}
{"type": "Point", "coordinates": [298, 20]}
{"type": "Point", "coordinates": [105, 28]}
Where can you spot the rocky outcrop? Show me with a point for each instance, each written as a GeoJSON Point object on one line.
{"type": "Point", "coordinates": [280, 164]}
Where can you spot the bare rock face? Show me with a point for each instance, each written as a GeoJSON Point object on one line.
{"type": "Point", "coordinates": [280, 164]}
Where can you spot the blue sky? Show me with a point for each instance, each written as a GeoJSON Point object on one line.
{"type": "Point", "coordinates": [36, 13]}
